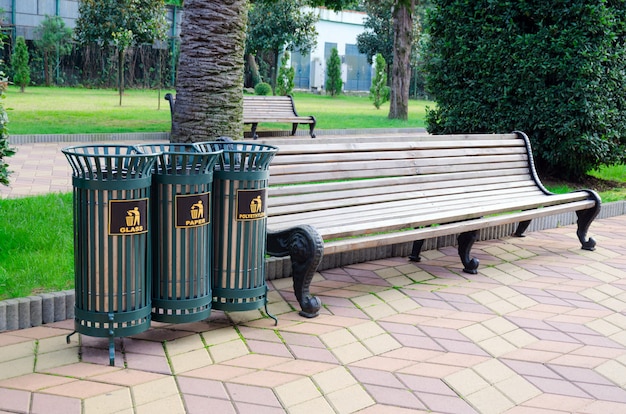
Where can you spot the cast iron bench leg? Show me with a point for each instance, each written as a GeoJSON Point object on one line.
{"type": "Point", "coordinates": [585, 217]}
{"type": "Point", "coordinates": [305, 247]}
{"type": "Point", "coordinates": [466, 241]}
{"type": "Point", "coordinates": [312, 127]}
{"type": "Point", "coordinates": [415, 252]}
{"type": "Point", "coordinates": [521, 228]}
{"type": "Point", "coordinates": [253, 131]}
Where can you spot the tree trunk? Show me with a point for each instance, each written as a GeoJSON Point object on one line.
{"type": "Point", "coordinates": [401, 70]}
{"type": "Point", "coordinates": [209, 87]}
{"type": "Point", "coordinates": [46, 67]}
{"type": "Point", "coordinates": [120, 72]}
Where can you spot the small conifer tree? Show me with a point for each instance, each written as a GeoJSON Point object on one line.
{"type": "Point", "coordinates": [379, 92]}
{"type": "Point", "coordinates": [284, 81]}
{"type": "Point", "coordinates": [19, 63]}
{"type": "Point", "coordinates": [333, 74]}
{"type": "Point", "coordinates": [5, 150]}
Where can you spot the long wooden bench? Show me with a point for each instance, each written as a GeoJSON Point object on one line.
{"type": "Point", "coordinates": [337, 197]}
{"type": "Point", "coordinates": [277, 109]}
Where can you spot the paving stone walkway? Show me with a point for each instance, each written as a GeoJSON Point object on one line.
{"type": "Point", "coordinates": [540, 329]}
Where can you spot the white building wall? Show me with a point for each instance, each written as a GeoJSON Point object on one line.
{"type": "Point", "coordinates": [341, 28]}
{"type": "Point", "coordinates": [26, 15]}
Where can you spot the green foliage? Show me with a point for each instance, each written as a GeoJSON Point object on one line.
{"type": "Point", "coordinates": [333, 74]}
{"type": "Point", "coordinates": [263, 88]}
{"type": "Point", "coordinates": [284, 81]}
{"type": "Point", "coordinates": [99, 20]}
{"type": "Point", "coordinates": [274, 26]}
{"type": "Point", "coordinates": [335, 5]}
{"type": "Point", "coordinates": [19, 63]}
{"type": "Point", "coordinates": [122, 24]}
{"type": "Point", "coordinates": [5, 150]}
{"type": "Point", "coordinates": [379, 92]}
{"type": "Point", "coordinates": [378, 34]}
{"type": "Point", "coordinates": [554, 70]}
{"type": "Point", "coordinates": [55, 41]}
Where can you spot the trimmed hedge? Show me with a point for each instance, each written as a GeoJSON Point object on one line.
{"type": "Point", "coordinates": [553, 69]}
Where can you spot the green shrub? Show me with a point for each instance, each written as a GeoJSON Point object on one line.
{"type": "Point", "coordinates": [554, 70]}
{"type": "Point", "coordinates": [263, 88]}
{"type": "Point", "coordinates": [5, 150]}
{"type": "Point", "coordinates": [333, 74]}
{"type": "Point", "coordinates": [19, 63]}
{"type": "Point", "coordinates": [284, 80]}
{"type": "Point", "coordinates": [380, 92]}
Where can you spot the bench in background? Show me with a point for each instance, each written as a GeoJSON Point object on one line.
{"type": "Point", "coordinates": [277, 109]}
{"type": "Point", "coordinates": [337, 197]}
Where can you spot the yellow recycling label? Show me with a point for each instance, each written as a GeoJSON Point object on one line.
{"type": "Point", "coordinates": [251, 204]}
{"type": "Point", "coordinates": [193, 210]}
{"type": "Point", "coordinates": [127, 217]}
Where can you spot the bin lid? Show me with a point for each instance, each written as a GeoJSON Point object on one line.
{"type": "Point", "coordinates": [108, 162]}
{"type": "Point", "coordinates": [241, 155]}
{"type": "Point", "coordinates": [180, 159]}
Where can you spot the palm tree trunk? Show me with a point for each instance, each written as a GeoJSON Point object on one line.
{"type": "Point", "coordinates": [209, 87]}
{"type": "Point", "coordinates": [401, 70]}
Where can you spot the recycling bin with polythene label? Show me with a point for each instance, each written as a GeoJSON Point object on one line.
{"type": "Point", "coordinates": [240, 185]}
{"type": "Point", "coordinates": [111, 186]}
{"type": "Point", "coordinates": [182, 223]}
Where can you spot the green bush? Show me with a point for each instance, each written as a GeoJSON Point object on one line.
{"type": "Point", "coordinates": [333, 74]}
{"type": "Point", "coordinates": [5, 150]}
{"type": "Point", "coordinates": [380, 92]}
{"type": "Point", "coordinates": [284, 80]}
{"type": "Point", "coordinates": [19, 63]}
{"type": "Point", "coordinates": [263, 88]}
{"type": "Point", "coordinates": [554, 70]}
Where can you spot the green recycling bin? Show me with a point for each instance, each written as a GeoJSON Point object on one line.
{"type": "Point", "coordinates": [240, 187]}
{"type": "Point", "coordinates": [181, 205]}
{"type": "Point", "coordinates": [111, 186]}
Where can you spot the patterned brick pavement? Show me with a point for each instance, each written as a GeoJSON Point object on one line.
{"type": "Point", "coordinates": [540, 329]}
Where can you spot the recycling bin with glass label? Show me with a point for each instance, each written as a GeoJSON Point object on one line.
{"type": "Point", "coordinates": [111, 186]}
{"type": "Point", "coordinates": [240, 187]}
{"type": "Point", "coordinates": [181, 237]}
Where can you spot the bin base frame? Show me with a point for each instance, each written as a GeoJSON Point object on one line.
{"type": "Point", "coordinates": [136, 321]}
{"type": "Point", "coordinates": [305, 247]}
{"type": "Point", "coordinates": [239, 300]}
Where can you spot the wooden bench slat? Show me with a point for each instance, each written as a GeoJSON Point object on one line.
{"type": "Point", "coordinates": [389, 167]}
{"type": "Point", "coordinates": [394, 146]}
{"type": "Point", "coordinates": [408, 171]}
{"type": "Point", "coordinates": [396, 209]}
{"type": "Point", "coordinates": [282, 187]}
{"type": "Point", "coordinates": [340, 246]}
{"type": "Point", "coordinates": [305, 202]}
{"type": "Point", "coordinates": [322, 158]}
{"type": "Point", "coordinates": [301, 204]}
{"type": "Point", "coordinates": [398, 223]}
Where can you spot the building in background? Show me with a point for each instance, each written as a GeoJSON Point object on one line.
{"type": "Point", "coordinates": [335, 29]}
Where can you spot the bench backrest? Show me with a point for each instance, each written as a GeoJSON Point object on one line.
{"type": "Point", "coordinates": [268, 106]}
{"type": "Point", "coordinates": [306, 177]}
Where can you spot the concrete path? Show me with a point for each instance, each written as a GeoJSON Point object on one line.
{"type": "Point", "coordinates": [540, 329]}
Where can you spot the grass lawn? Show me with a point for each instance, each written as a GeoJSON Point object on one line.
{"type": "Point", "coordinates": [41, 110]}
